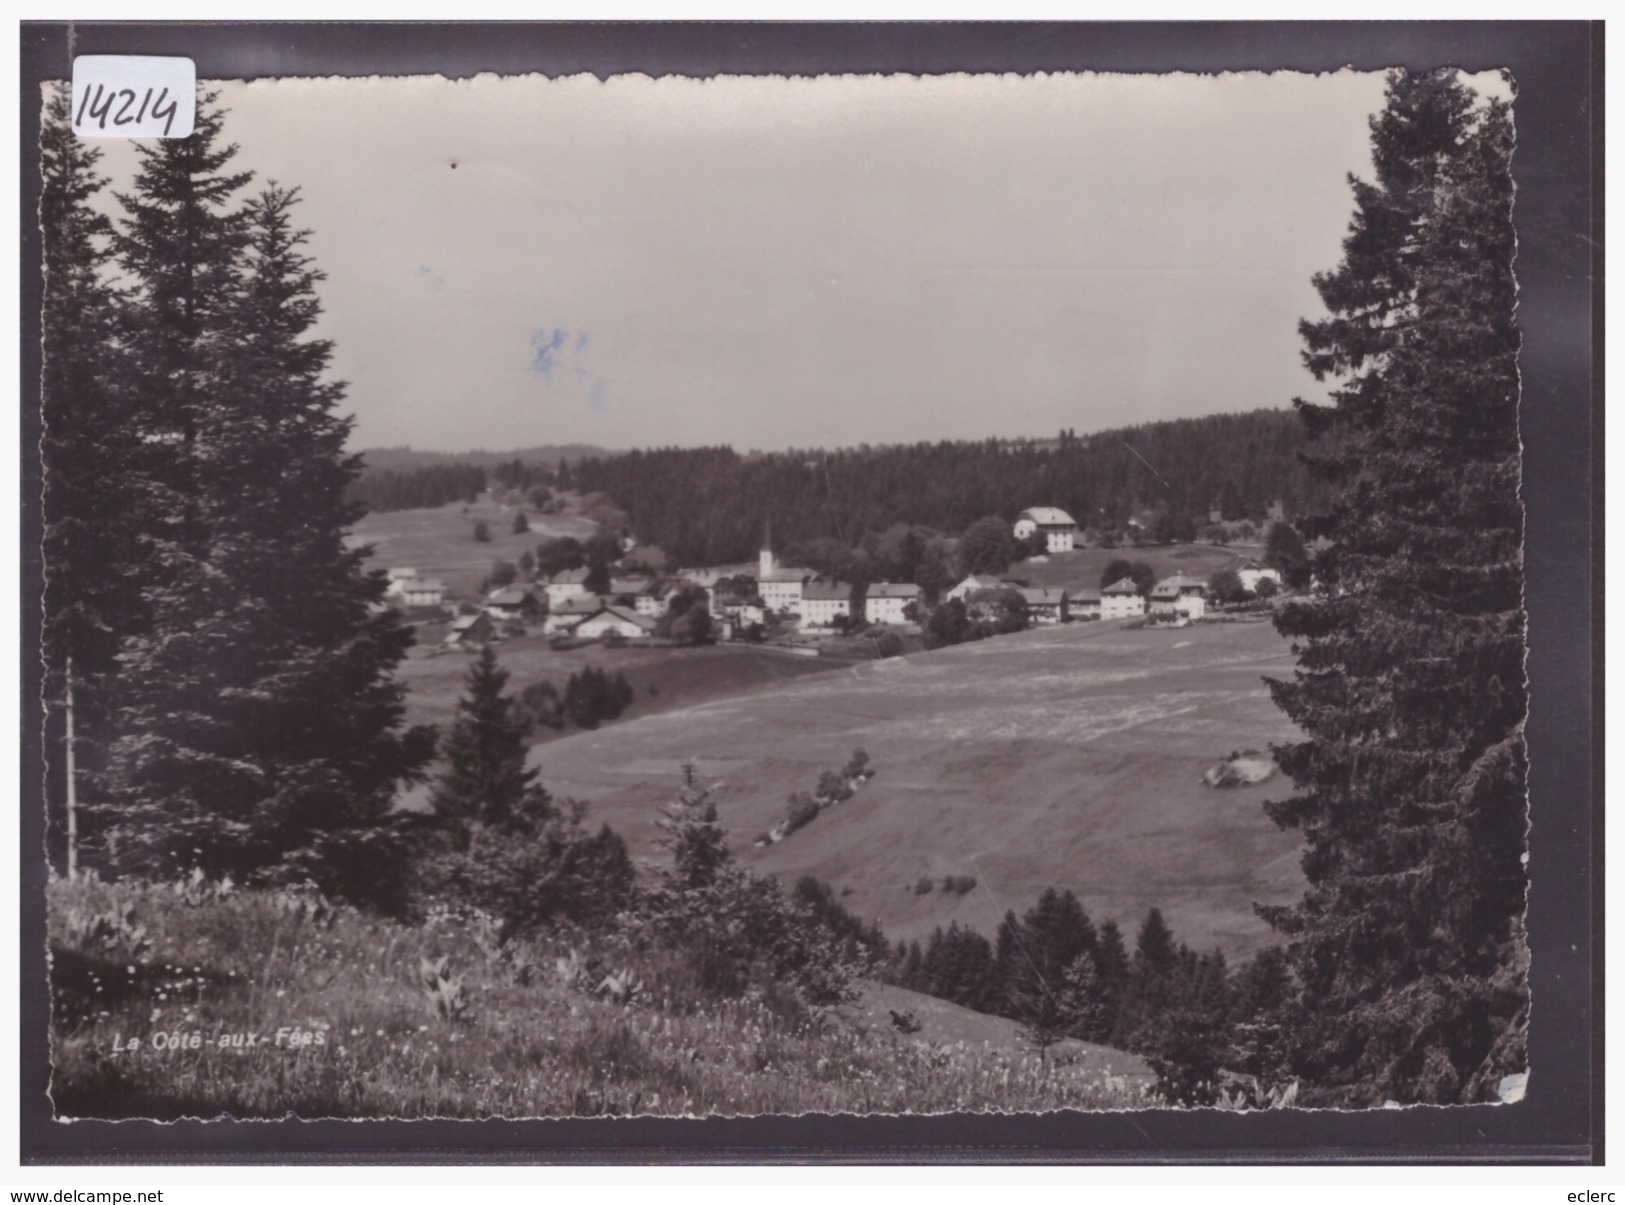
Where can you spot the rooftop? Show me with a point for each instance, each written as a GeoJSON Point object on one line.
{"type": "Point", "coordinates": [1048, 516]}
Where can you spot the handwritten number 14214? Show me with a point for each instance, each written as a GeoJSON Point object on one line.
{"type": "Point", "coordinates": [101, 102]}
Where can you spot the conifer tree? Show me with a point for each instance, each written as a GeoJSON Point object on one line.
{"type": "Point", "coordinates": [261, 722]}
{"type": "Point", "coordinates": [89, 452]}
{"type": "Point", "coordinates": [486, 780]}
{"type": "Point", "coordinates": [1410, 685]}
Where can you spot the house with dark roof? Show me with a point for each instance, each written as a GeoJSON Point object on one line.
{"type": "Point", "coordinates": [1059, 528]}
{"type": "Point", "coordinates": [1045, 604]}
{"type": "Point", "coordinates": [613, 620]}
{"type": "Point", "coordinates": [884, 602]}
{"type": "Point", "coordinates": [565, 584]}
{"type": "Point", "coordinates": [571, 611]}
{"type": "Point", "coordinates": [1179, 595]}
{"type": "Point", "coordinates": [512, 602]}
{"type": "Point", "coordinates": [822, 602]}
{"type": "Point", "coordinates": [471, 631]}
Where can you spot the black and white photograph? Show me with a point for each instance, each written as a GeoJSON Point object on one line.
{"type": "Point", "coordinates": [771, 595]}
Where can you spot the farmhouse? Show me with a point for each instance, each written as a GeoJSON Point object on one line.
{"type": "Point", "coordinates": [1179, 595]}
{"type": "Point", "coordinates": [565, 616]}
{"type": "Point", "coordinates": [471, 631]}
{"type": "Point", "coordinates": [821, 602]}
{"type": "Point", "coordinates": [1059, 528]}
{"type": "Point", "coordinates": [1046, 605]}
{"type": "Point", "coordinates": [1254, 572]}
{"type": "Point", "coordinates": [611, 620]}
{"type": "Point", "coordinates": [780, 585]}
{"type": "Point", "coordinates": [973, 583]}
{"type": "Point", "coordinates": [418, 591]}
{"type": "Point", "coordinates": [567, 584]}
{"type": "Point", "coordinates": [885, 601]}
{"type": "Point", "coordinates": [1084, 604]}
{"type": "Point", "coordinates": [1121, 600]}
{"type": "Point", "coordinates": [400, 573]}
{"type": "Point", "coordinates": [512, 602]}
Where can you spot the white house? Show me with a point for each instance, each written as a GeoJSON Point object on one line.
{"type": "Point", "coordinates": [571, 611]}
{"type": "Point", "coordinates": [821, 602]}
{"type": "Point", "coordinates": [1121, 600]}
{"type": "Point", "coordinates": [418, 591]}
{"type": "Point", "coordinates": [1179, 595]}
{"type": "Point", "coordinates": [568, 584]}
{"type": "Point", "coordinates": [885, 601]}
{"type": "Point", "coordinates": [1046, 604]}
{"type": "Point", "coordinates": [973, 583]}
{"type": "Point", "coordinates": [1059, 528]}
{"type": "Point", "coordinates": [1253, 572]}
{"type": "Point", "coordinates": [780, 585]}
{"type": "Point", "coordinates": [617, 620]}
{"type": "Point", "coordinates": [400, 572]}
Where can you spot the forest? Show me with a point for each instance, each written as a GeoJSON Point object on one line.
{"type": "Point", "coordinates": [709, 506]}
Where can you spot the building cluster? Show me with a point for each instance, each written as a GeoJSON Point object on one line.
{"type": "Point", "coordinates": [632, 606]}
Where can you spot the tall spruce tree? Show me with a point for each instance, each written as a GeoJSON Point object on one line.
{"type": "Point", "coordinates": [89, 452]}
{"type": "Point", "coordinates": [259, 719]}
{"type": "Point", "coordinates": [1410, 687]}
{"type": "Point", "coordinates": [486, 780]}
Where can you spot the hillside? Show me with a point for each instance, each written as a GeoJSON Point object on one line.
{"type": "Point", "coordinates": [439, 542]}
{"type": "Point", "coordinates": [155, 1002]}
{"type": "Point", "coordinates": [709, 505]}
{"type": "Point", "coordinates": [1069, 756]}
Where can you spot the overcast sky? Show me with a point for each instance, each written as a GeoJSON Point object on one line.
{"type": "Point", "coordinates": [772, 262]}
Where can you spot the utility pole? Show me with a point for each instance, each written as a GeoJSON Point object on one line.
{"type": "Point", "coordinates": [73, 801]}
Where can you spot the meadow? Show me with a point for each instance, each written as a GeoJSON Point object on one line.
{"type": "Point", "coordinates": [439, 542]}
{"type": "Point", "coordinates": [1070, 756]}
{"type": "Point", "coordinates": [175, 1001]}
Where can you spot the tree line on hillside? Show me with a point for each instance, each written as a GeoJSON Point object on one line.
{"type": "Point", "coordinates": [711, 505]}
{"type": "Point", "coordinates": [1060, 976]}
{"type": "Point", "coordinates": [379, 490]}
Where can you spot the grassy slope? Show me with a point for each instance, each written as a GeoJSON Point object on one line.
{"type": "Point", "coordinates": [440, 542]}
{"type": "Point", "coordinates": [529, 1046]}
{"type": "Point", "coordinates": [1069, 756]}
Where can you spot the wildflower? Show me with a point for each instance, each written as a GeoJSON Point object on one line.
{"type": "Point", "coordinates": [280, 993]}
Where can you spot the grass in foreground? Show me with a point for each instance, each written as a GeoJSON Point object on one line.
{"type": "Point", "coordinates": [174, 1002]}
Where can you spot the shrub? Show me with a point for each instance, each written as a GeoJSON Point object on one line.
{"type": "Point", "coordinates": [924, 885]}
{"type": "Point", "coordinates": [803, 810]}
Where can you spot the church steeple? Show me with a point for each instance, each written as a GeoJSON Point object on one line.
{"type": "Point", "coordinates": [765, 562]}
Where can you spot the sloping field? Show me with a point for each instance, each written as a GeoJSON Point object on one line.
{"type": "Point", "coordinates": [1070, 756]}
{"type": "Point", "coordinates": [439, 542]}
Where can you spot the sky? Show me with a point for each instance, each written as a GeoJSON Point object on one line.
{"type": "Point", "coordinates": [772, 262]}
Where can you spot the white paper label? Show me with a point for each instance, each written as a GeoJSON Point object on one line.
{"type": "Point", "coordinates": [133, 96]}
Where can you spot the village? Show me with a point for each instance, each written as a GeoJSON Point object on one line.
{"type": "Point", "coordinates": [802, 611]}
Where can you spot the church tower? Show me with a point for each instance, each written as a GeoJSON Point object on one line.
{"type": "Point", "coordinates": [765, 564]}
